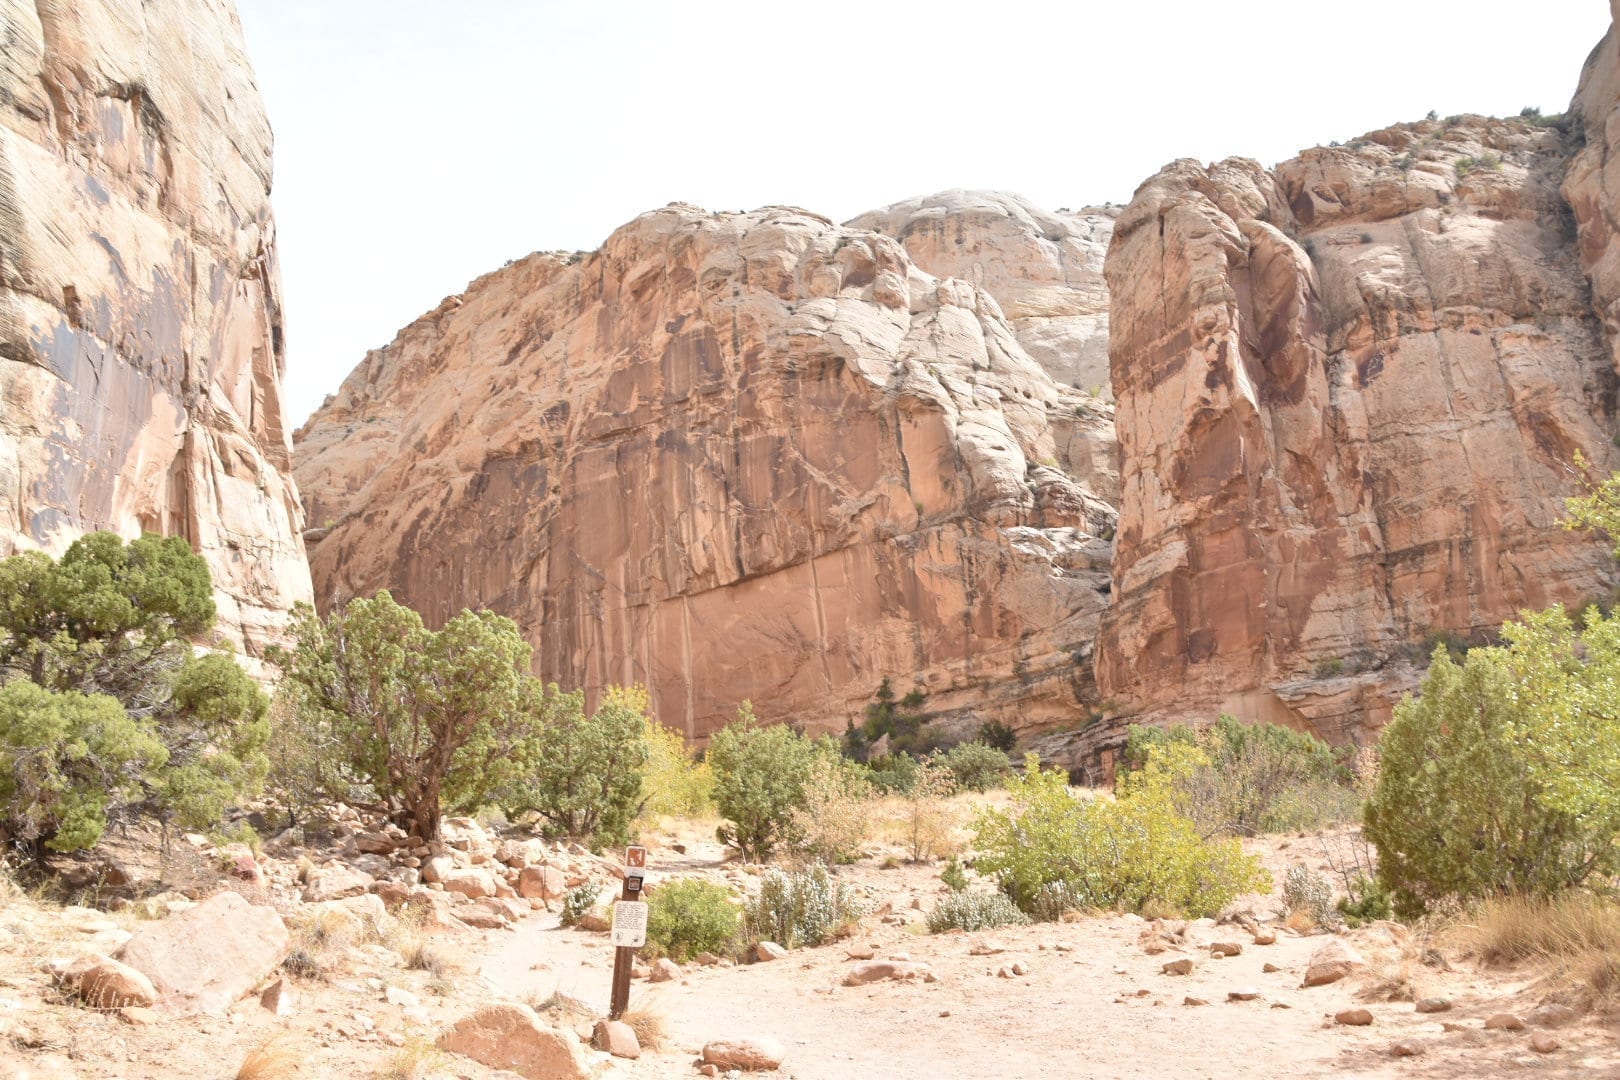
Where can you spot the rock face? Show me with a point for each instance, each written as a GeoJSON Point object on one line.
{"type": "Point", "coordinates": [1044, 269]}
{"type": "Point", "coordinates": [141, 346]}
{"type": "Point", "coordinates": [1349, 394]}
{"type": "Point", "coordinates": [209, 956]}
{"type": "Point", "coordinates": [731, 456]}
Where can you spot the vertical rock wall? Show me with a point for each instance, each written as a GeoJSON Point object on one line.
{"type": "Point", "coordinates": [141, 348]}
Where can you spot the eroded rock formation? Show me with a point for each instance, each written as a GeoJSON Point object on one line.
{"type": "Point", "coordinates": [731, 456]}
{"type": "Point", "coordinates": [1349, 393]}
{"type": "Point", "coordinates": [140, 326]}
{"type": "Point", "coordinates": [1045, 269]}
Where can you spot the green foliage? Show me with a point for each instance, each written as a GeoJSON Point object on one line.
{"type": "Point", "coordinates": [975, 766]}
{"type": "Point", "coordinates": [1504, 776]}
{"type": "Point", "coordinates": [799, 907]}
{"type": "Point", "coordinates": [1367, 902]}
{"type": "Point", "coordinates": [995, 734]}
{"type": "Point", "coordinates": [1255, 778]}
{"type": "Point", "coordinates": [690, 916]}
{"type": "Point", "coordinates": [900, 720]}
{"type": "Point", "coordinates": [106, 629]}
{"type": "Point", "coordinates": [759, 779]}
{"type": "Point", "coordinates": [216, 728]}
{"type": "Point", "coordinates": [674, 783]}
{"type": "Point", "coordinates": [107, 618]}
{"type": "Point", "coordinates": [584, 772]}
{"type": "Point", "coordinates": [577, 902]}
{"type": "Point", "coordinates": [1599, 508]}
{"type": "Point", "coordinates": [834, 820]}
{"type": "Point", "coordinates": [1121, 853]}
{"type": "Point", "coordinates": [410, 721]}
{"type": "Point", "coordinates": [65, 758]}
{"type": "Point", "coordinates": [894, 774]}
{"type": "Point", "coordinates": [974, 911]}
{"type": "Point", "coordinates": [953, 876]}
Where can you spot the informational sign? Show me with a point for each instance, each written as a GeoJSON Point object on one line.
{"type": "Point", "coordinates": [635, 862]}
{"type": "Point", "coordinates": [629, 924]}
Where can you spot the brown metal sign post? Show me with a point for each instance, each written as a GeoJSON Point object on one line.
{"type": "Point", "coordinates": [629, 928]}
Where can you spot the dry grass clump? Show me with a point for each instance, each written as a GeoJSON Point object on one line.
{"type": "Point", "coordinates": [416, 1060]}
{"type": "Point", "coordinates": [647, 1024]}
{"type": "Point", "coordinates": [1576, 937]}
{"type": "Point", "coordinates": [318, 941]}
{"type": "Point", "coordinates": [272, 1060]}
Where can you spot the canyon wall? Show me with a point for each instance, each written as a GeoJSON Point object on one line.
{"type": "Point", "coordinates": [141, 348]}
{"type": "Point", "coordinates": [1350, 391]}
{"type": "Point", "coordinates": [731, 456]}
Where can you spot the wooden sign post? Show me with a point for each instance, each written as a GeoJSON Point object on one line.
{"type": "Point", "coordinates": [629, 928]}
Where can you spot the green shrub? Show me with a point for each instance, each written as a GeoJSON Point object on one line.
{"type": "Point", "coordinates": [125, 719]}
{"type": "Point", "coordinates": [1256, 778]}
{"type": "Point", "coordinates": [995, 734]}
{"type": "Point", "coordinates": [835, 819]}
{"type": "Point", "coordinates": [1504, 775]}
{"type": "Point", "coordinates": [1368, 902]}
{"type": "Point", "coordinates": [799, 907]}
{"type": "Point", "coordinates": [689, 916]}
{"type": "Point", "coordinates": [974, 911]}
{"type": "Point", "coordinates": [976, 766]}
{"type": "Point", "coordinates": [759, 779]}
{"type": "Point", "coordinates": [583, 773]}
{"type": "Point", "coordinates": [893, 774]}
{"type": "Point", "coordinates": [577, 901]}
{"type": "Point", "coordinates": [1111, 853]}
{"type": "Point", "coordinates": [953, 876]}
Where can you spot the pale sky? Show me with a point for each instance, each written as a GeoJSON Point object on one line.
{"type": "Point", "coordinates": [420, 143]}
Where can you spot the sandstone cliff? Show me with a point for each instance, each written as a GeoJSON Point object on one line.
{"type": "Point", "coordinates": [1045, 269]}
{"type": "Point", "coordinates": [1349, 392]}
{"type": "Point", "coordinates": [140, 326]}
{"type": "Point", "coordinates": [731, 456]}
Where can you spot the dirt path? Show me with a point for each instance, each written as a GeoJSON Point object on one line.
{"type": "Point", "coordinates": [1093, 1004]}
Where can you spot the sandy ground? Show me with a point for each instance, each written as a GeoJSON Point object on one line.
{"type": "Point", "coordinates": [1094, 1003]}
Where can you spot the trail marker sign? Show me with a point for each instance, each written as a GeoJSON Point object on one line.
{"type": "Point", "coordinates": [629, 924]}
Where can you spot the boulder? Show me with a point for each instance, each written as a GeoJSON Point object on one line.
{"type": "Point", "coordinates": [203, 959]}
{"type": "Point", "coordinates": [664, 970]}
{"type": "Point", "coordinates": [1504, 1021]}
{"type": "Point", "coordinates": [542, 883]}
{"type": "Point", "coordinates": [103, 983]}
{"type": "Point", "coordinates": [1184, 966]}
{"type": "Point", "coordinates": [617, 1038]}
{"type": "Point", "coordinates": [1332, 962]}
{"type": "Point", "coordinates": [749, 1055]}
{"type": "Point", "coordinates": [336, 882]}
{"type": "Point", "coordinates": [1433, 1005]}
{"type": "Point", "coordinates": [471, 883]}
{"type": "Point", "coordinates": [1353, 1017]}
{"type": "Point", "coordinates": [511, 1037]}
{"type": "Point", "coordinates": [767, 951]}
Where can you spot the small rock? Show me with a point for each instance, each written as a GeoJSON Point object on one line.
{"type": "Point", "coordinates": [335, 883]}
{"type": "Point", "coordinates": [1504, 1021]}
{"type": "Point", "coordinates": [860, 952]}
{"type": "Point", "coordinates": [596, 920]}
{"type": "Point", "coordinates": [664, 970]}
{"type": "Point", "coordinates": [279, 998]}
{"type": "Point", "coordinates": [708, 1070]}
{"type": "Point", "coordinates": [987, 948]}
{"type": "Point", "coordinates": [1543, 1042]}
{"type": "Point", "coordinates": [1353, 1017]}
{"type": "Point", "coordinates": [766, 951]}
{"type": "Point", "coordinates": [1194, 1001]}
{"type": "Point", "coordinates": [1020, 969]}
{"type": "Point", "coordinates": [1225, 948]}
{"type": "Point", "coordinates": [617, 1038]}
{"type": "Point", "coordinates": [103, 983]}
{"type": "Point", "coordinates": [750, 1055]}
{"type": "Point", "coordinates": [872, 971]}
{"type": "Point", "coordinates": [1246, 993]}
{"type": "Point", "coordinates": [1405, 1048]}
{"type": "Point", "coordinates": [1184, 966]}
{"type": "Point", "coordinates": [1433, 1005]}
{"type": "Point", "coordinates": [541, 882]}
{"type": "Point", "coordinates": [396, 995]}
{"type": "Point", "coordinates": [1265, 937]}
{"type": "Point", "coordinates": [1268, 968]}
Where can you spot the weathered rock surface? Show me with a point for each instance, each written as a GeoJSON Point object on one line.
{"type": "Point", "coordinates": [103, 983]}
{"type": "Point", "coordinates": [511, 1037]}
{"type": "Point", "coordinates": [207, 957]}
{"type": "Point", "coordinates": [141, 348]}
{"type": "Point", "coordinates": [1044, 268]}
{"type": "Point", "coordinates": [730, 456]}
{"type": "Point", "coordinates": [1349, 392]}
{"type": "Point", "coordinates": [749, 1055]}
